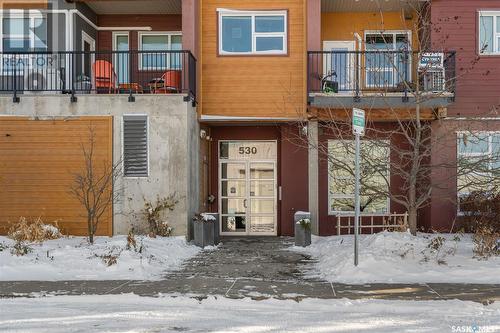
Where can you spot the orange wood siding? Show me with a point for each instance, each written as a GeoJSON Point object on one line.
{"type": "Point", "coordinates": [342, 26]}
{"type": "Point", "coordinates": [38, 160]}
{"type": "Point", "coordinates": [23, 4]}
{"type": "Point", "coordinates": [253, 86]}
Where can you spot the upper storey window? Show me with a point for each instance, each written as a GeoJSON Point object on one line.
{"type": "Point", "coordinates": [489, 32]}
{"type": "Point", "coordinates": [23, 32]}
{"type": "Point", "coordinates": [247, 33]}
{"type": "Point", "coordinates": [154, 46]}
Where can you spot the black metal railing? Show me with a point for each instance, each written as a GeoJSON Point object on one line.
{"type": "Point", "coordinates": [100, 72]}
{"type": "Point", "coordinates": [358, 72]}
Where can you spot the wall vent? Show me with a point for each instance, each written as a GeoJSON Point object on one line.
{"type": "Point", "coordinates": [135, 146]}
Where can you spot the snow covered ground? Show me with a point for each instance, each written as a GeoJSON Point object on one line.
{"type": "Point", "coordinates": [74, 259]}
{"type": "Point", "coordinates": [392, 257]}
{"type": "Point", "coordinates": [130, 313]}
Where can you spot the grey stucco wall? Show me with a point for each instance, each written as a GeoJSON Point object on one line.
{"type": "Point", "coordinates": [56, 32]}
{"type": "Point", "coordinates": [173, 149]}
{"type": "Point", "coordinates": [81, 25]}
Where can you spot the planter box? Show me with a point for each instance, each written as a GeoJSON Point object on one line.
{"type": "Point", "coordinates": [207, 233]}
{"type": "Point", "coordinates": [204, 234]}
{"type": "Point", "coordinates": [302, 235]}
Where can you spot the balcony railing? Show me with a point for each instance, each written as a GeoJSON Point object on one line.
{"type": "Point", "coordinates": [100, 72]}
{"type": "Point", "coordinates": [358, 73]}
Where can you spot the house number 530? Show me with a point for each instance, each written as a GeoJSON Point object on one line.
{"type": "Point", "coordinates": [248, 150]}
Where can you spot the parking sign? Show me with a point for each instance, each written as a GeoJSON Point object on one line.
{"type": "Point", "coordinates": [358, 121]}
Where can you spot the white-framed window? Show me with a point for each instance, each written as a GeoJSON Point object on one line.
{"type": "Point", "coordinates": [385, 66]}
{"type": "Point", "coordinates": [341, 177]}
{"type": "Point", "coordinates": [156, 43]}
{"type": "Point", "coordinates": [489, 32]}
{"type": "Point", "coordinates": [23, 31]}
{"type": "Point", "coordinates": [253, 32]}
{"type": "Point", "coordinates": [478, 163]}
{"type": "Point", "coordinates": [135, 146]}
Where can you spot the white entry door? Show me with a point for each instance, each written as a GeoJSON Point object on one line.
{"type": "Point", "coordinates": [248, 187]}
{"type": "Point", "coordinates": [88, 56]}
{"type": "Point", "coordinates": [340, 62]}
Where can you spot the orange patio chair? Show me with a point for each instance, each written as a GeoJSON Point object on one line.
{"type": "Point", "coordinates": [105, 76]}
{"type": "Point", "coordinates": [172, 82]}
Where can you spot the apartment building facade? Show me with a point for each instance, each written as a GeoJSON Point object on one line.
{"type": "Point", "coordinates": [229, 102]}
{"type": "Point", "coordinates": [121, 72]}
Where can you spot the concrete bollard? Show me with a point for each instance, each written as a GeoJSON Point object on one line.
{"type": "Point", "coordinates": [302, 231]}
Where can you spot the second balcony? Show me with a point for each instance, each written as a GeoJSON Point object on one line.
{"type": "Point", "coordinates": [380, 79]}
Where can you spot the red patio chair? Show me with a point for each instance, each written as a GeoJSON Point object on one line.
{"type": "Point", "coordinates": [105, 76]}
{"type": "Point", "coordinates": [172, 82]}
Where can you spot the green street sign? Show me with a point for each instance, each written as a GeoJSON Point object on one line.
{"type": "Point", "coordinates": [358, 121]}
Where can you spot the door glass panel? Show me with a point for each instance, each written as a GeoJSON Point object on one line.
{"type": "Point", "coordinates": [262, 224]}
{"type": "Point", "coordinates": [233, 171]}
{"type": "Point", "coordinates": [341, 66]}
{"type": "Point", "coordinates": [233, 224]}
{"type": "Point", "coordinates": [233, 206]}
{"type": "Point", "coordinates": [248, 187]}
{"type": "Point", "coordinates": [261, 188]}
{"type": "Point", "coordinates": [233, 188]}
{"type": "Point", "coordinates": [262, 171]}
{"type": "Point", "coordinates": [262, 206]}
{"type": "Point", "coordinates": [122, 59]}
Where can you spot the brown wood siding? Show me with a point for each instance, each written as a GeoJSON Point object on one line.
{"type": "Point", "coordinates": [23, 4]}
{"type": "Point", "coordinates": [253, 86]}
{"type": "Point", "coordinates": [38, 160]}
{"type": "Point", "coordinates": [455, 27]}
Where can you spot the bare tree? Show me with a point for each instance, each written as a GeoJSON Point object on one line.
{"type": "Point", "coordinates": [93, 186]}
{"type": "Point", "coordinates": [401, 153]}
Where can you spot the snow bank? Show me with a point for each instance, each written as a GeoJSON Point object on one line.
{"type": "Point", "coordinates": [129, 313]}
{"type": "Point", "coordinates": [392, 257]}
{"type": "Point", "coordinates": [74, 259]}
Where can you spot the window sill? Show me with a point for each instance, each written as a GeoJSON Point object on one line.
{"type": "Point", "coordinates": [351, 214]}
{"type": "Point", "coordinates": [252, 54]}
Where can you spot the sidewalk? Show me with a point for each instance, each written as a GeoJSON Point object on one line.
{"type": "Point", "coordinates": [200, 287]}
{"type": "Point", "coordinates": [259, 268]}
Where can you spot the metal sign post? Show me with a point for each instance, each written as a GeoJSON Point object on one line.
{"type": "Point", "coordinates": [358, 128]}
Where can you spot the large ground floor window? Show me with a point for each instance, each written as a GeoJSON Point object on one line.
{"type": "Point", "coordinates": [374, 174]}
{"type": "Point", "coordinates": [478, 163]}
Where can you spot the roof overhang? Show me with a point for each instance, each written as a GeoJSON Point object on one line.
{"type": "Point", "coordinates": [370, 5]}
{"type": "Point", "coordinates": [122, 7]}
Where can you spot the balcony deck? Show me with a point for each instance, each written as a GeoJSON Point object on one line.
{"type": "Point", "coordinates": [99, 72]}
{"type": "Point", "coordinates": [380, 79]}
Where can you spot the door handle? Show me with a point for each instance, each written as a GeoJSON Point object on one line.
{"type": "Point", "coordinates": [245, 203]}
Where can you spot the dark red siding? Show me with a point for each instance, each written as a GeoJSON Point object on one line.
{"type": "Point", "coordinates": [165, 23]}
{"type": "Point", "coordinates": [455, 27]}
